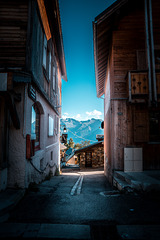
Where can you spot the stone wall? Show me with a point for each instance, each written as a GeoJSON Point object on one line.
{"type": "Point", "coordinates": [97, 157]}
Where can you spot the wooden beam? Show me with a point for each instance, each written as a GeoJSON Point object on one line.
{"type": "Point", "coordinates": [44, 18]}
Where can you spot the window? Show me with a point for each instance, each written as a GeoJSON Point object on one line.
{"type": "Point", "coordinates": [154, 126]}
{"type": "Point", "coordinates": [47, 59]}
{"type": "Point", "coordinates": [35, 126]}
{"type": "Point", "coordinates": [54, 77]}
{"type": "Point", "coordinates": [51, 127]}
{"type": "Point", "coordinates": [49, 69]}
{"type": "Point", "coordinates": [45, 52]}
{"type": "Point", "coordinates": [56, 124]}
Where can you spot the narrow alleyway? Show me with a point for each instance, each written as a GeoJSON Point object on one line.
{"type": "Point", "coordinates": [73, 197]}
{"type": "Point", "coordinates": [85, 198]}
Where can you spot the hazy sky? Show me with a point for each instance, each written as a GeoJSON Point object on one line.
{"type": "Point", "coordinates": [79, 98]}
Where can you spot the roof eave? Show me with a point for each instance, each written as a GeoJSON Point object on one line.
{"type": "Point", "coordinates": [106, 15]}
{"type": "Point", "coordinates": [95, 60]}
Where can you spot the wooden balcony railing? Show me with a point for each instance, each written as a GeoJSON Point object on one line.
{"type": "Point", "coordinates": [138, 85]}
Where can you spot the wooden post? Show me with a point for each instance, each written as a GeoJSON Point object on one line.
{"type": "Point", "coordinates": [148, 53]}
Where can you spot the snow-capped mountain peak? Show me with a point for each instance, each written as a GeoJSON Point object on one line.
{"type": "Point", "coordinates": [82, 130]}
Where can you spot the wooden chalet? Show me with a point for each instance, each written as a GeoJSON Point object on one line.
{"type": "Point", "coordinates": [91, 156]}
{"type": "Point", "coordinates": [127, 67]}
{"type": "Point", "coordinates": [32, 65]}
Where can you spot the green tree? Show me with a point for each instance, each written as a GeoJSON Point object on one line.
{"type": "Point", "coordinates": [85, 143]}
{"type": "Point", "coordinates": [82, 144]}
{"type": "Point", "coordinates": [70, 143]}
{"type": "Point", "coordinates": [77, 146]}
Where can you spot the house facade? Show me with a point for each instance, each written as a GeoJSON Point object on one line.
{"type": "Point", "coordinates": [127, 66]}
{"type": "Point", "coordinates": [91, 156]}
{"type": "Point", "coordinates": [32, 66]}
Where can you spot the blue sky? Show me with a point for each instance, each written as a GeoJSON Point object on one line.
{"type": "Point", "coordinates": [79, 98]}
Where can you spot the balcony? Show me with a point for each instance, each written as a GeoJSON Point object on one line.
{"type": "Point", "coordinates": [138, 86]}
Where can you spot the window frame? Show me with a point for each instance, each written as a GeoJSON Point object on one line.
{"type": "Point", "coordinates": [50, 132]}
{"type": "Point", "coordinates": [44, 52]}
{"type": "Point", "coordinates": [36, 133]}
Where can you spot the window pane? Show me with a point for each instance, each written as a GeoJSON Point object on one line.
{"type": "Point", "coordinates": [51, 126]}
{"type": "Point", "coordinates": [33, 124]}
{"type": "Point", "coordinates": [54, 73]}
{"type": "Point", "coordinates": [50, 65]}
{"type": "Point", "coordinates": [44, 51]}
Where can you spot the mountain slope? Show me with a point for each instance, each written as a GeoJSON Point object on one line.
{"type": "Point", "coordinates": [82, 130]}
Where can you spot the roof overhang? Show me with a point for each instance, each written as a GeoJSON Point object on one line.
{"type": "Point", "coordinates": [50, 11]}
{"type": "Point", "coordinates": [89, 147]}
{"type": "Point", "coordinates": [102, 35]}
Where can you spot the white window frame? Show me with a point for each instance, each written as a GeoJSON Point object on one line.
{"type": "Point", "coordinates": [50, 126]}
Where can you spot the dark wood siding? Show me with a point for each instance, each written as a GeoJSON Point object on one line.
{"type": "Point", "coordinates": [13, 32]}
{"type": "Point", "coordinates": [127, 39]}
{"type": "Point", "coordinates": [141, 126]}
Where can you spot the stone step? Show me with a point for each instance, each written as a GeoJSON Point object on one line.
{"type": "Point", "coordinates": [121, 185]}
{"type": "Point", "coordinates": [124, 176]}
{"type": "Point", "coordinates": [139, 181]}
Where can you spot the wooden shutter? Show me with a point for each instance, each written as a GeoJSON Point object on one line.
{"type": "Point", "coordinates": [141, 126]}
{"type": "Point", "coordinates": [54, 78]}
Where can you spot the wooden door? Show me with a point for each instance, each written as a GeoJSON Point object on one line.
{"type": "Point", "coordinates": [88, 162]}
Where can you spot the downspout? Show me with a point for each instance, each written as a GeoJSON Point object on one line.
{"type": "Point", "coordinates": [148, 53]}
{"type": "Point", "coordinates": [152, 52]}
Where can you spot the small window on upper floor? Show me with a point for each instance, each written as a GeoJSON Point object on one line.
{"type": "Point", "coordinates": [45, 52]}
{"type": "Point", "coordinates": [54, 78]}
{"type": "Point", "coordinates": [47, 60]}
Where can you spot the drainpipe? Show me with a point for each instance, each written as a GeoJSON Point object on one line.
{"type": "Point", "coordinates": [152, 52]}
{"type": "Point", "coordinates": [148, 52]}
{"type": "Point", "coordinates": [24, 109]}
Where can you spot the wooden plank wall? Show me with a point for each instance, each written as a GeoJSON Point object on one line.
{"type": "Point", "coordinates": [13, 31]}
{"type": "Point", "coordinates": [127, 39]}
{"type": "Point", "coordinates": [124, 120]}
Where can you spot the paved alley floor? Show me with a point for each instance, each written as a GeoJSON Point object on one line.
{"type": "Point", "coordinates": [85, 198]}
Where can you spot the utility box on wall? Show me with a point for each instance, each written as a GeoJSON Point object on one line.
{"type": "Point", "coordinates": [133, 159]}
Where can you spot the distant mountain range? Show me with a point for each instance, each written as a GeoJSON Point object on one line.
{"type": "Point", "coordinates": [82, 130]}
